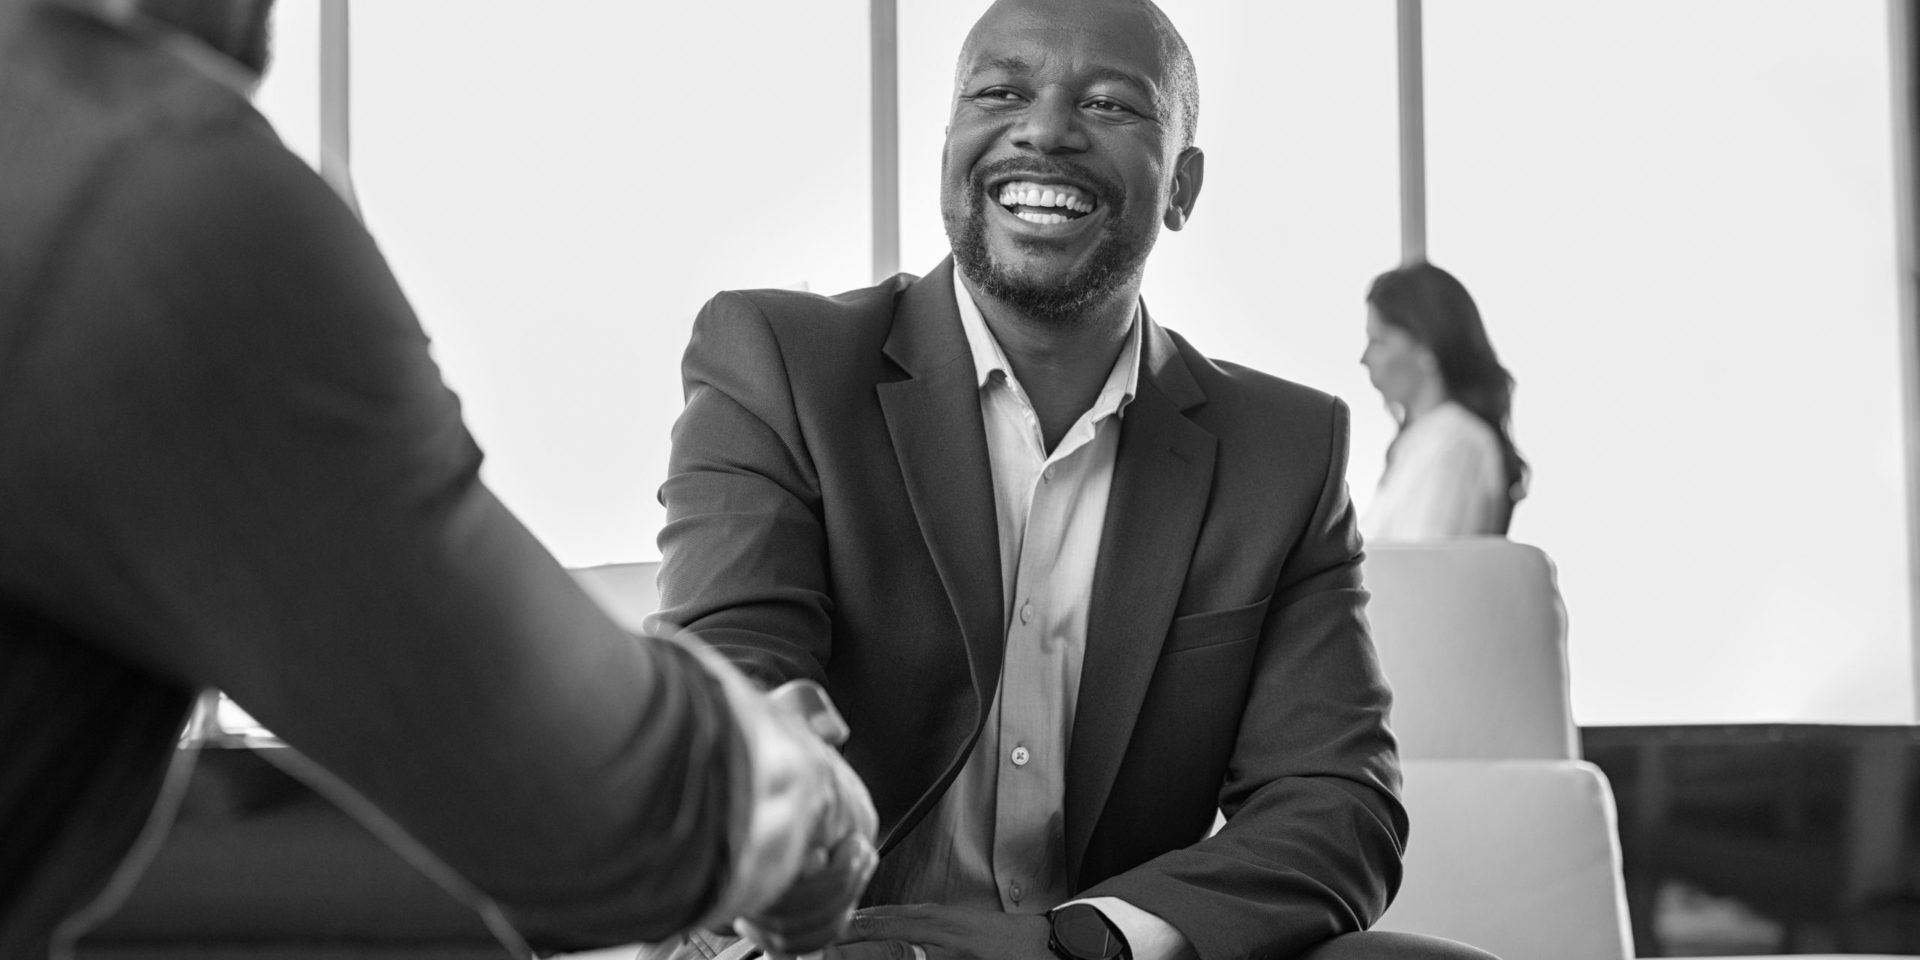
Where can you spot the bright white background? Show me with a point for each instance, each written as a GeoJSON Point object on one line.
{"type": "Point", "coordinates": [290, 93]}
{"type": "Point", "coordinates": [1677, 218]}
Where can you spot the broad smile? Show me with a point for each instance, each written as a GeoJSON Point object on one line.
{"type": "Point", "coordinates": [1044, 203]}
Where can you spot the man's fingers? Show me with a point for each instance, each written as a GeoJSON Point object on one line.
{"type": "Point", "coordinates": [883, 924]}
{"type": "Point", "coordinates": [876, 950]}
{"type": "Point", "coordinates": [820, 901]}
{"type": "Point", "coordinates": [808, 701]}
{"type": "Point", "coordinates": [911, 911]}
{"type": "Point", "coordinates": [805, 946]}
{"type": "Point", "coordinates": [814, 911]}
{"type": "Point", "coordinates": [831, 888]}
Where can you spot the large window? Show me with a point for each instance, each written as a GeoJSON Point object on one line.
{"type": "Point", "coordinates": [1677, 219]}
{"type": "Point", "coordinates": [560, 191]}
{"type": "Point", "coordinates": [289, 95]}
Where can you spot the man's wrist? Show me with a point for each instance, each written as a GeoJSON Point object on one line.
{"type": "Point", "coordinates": [1080, 931]}
{"type": "Point", "coordinates": [1149, 936]}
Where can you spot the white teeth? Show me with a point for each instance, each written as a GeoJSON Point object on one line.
{"type": "Point", "coordinates": [1035, 195]}
{"type": "Point", "coordinates": [1042, 217]}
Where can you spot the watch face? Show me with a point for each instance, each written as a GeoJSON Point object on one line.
{"type": "Point", "coordinates": [1082, 932]}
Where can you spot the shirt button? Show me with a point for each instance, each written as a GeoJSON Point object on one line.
{"type": "Point", "coordinates": [1020, 757]}
{"type": "Point", "coordinates": [1015, 892]}
{"type": "Point", "coordinates": [1047, 473]}
{"type": "Point", "coordinates": [1026, 613]}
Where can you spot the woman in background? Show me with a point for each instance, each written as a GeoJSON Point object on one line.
{"type": "Point", "coordinates": [1453, 470]}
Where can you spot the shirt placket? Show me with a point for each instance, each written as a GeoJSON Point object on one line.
{"type": "Point", "coordinates": [1029, 837]}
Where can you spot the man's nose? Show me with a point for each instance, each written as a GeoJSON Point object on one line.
{"type": "Point", "coordinates": [1052, 124]}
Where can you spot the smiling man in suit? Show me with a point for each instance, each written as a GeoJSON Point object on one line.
{"type": "Point", "coordinates": [1074, 585]}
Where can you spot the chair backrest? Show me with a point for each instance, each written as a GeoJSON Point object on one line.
{"type": "Point", "coordinates": [1473, 638]}
{"type": "Point", "coordinates": [1514, 846]}
{"type": "Point", "coordinates": [628, 591]}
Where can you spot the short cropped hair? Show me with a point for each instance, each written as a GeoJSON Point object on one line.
{"type": "Point", "coordinates": [1183, 80]}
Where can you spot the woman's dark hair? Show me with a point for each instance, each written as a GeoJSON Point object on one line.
{"type": "Point", "coordinates": [1435, 309]}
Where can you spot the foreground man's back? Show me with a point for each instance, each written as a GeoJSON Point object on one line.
{"type": "Point", "coordinates": [226, 459]}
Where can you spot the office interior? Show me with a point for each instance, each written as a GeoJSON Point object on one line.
{"type": "Point", "coordinates": [1689, 225]}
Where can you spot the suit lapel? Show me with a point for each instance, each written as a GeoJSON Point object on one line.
{"type": "Point", "coordinates": [1163, 471]}
{"type": "Point", "coordinates": [933, 417]}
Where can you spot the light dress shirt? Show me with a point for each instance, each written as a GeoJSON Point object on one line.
{"type": "Point", "coordinates": [997, 840]}
{"type": "Point", "coordinates": [1445, 477]}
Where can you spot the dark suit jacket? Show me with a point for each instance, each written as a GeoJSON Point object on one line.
{"type": "Point", "coordinates": [227, 459]}
{"type": "Point", "coordinates": [830, 515]}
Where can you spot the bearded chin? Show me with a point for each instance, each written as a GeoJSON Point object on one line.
{"type": "Point", "coordinates": [1118, 259]}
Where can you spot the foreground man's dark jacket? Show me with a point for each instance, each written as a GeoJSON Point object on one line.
{"type": "Point", "coordinates": [226, 459]}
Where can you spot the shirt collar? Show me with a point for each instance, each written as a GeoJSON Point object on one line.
{"type": "Point", "coordinates": [1122, 382]}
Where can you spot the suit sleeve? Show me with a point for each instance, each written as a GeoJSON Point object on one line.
{"type": "Point", "coordinates": [743, 549]}
{"type": "Point", "coordinates": [252, 477]}
{"type": "Point", "coordinates": [1315, 829]}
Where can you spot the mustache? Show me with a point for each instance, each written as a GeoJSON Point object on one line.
{"type": "Point", "coordinates": [1109, 191]}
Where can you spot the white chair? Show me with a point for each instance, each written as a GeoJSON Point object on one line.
{"type": "Point", "coordinates": [1474, 638]}
{"type": "Point", "coordinates": [1514, 845]}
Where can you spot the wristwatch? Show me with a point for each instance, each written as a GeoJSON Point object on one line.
{"type": "Point", "coordinates": [1079, 931]}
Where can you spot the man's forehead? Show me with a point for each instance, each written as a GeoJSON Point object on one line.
{"type": "Point", "coordinates": [1102, 39]}
{"type": "Point", "coordinates": [1020, 66]}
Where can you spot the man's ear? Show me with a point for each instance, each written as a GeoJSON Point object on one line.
{"type": "Point", "coordinates": [1188, 170]}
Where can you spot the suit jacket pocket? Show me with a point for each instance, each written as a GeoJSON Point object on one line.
{"type": "Point", "coordinates": [1215, 627]}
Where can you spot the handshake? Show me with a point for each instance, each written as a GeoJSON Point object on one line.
{"type": "Point", "coordinates": [808, 845]}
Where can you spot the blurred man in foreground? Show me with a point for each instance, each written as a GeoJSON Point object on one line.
{"type": "Point", "coordinates": [226, 459]}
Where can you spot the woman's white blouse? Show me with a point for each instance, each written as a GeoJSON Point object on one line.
{"type": "Point", "coordinates": [1444, 478]}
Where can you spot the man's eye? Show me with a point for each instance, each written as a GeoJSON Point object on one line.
{"type": "Point", "coordinates": [1103, 105]}
{"type": "Point", "coordinates": [998, 95]}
